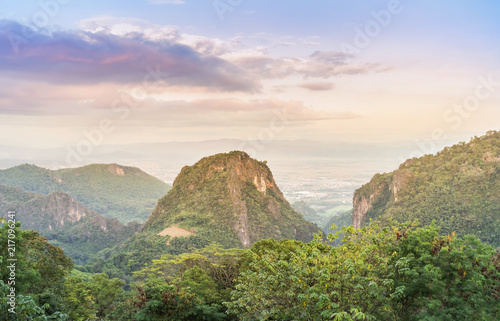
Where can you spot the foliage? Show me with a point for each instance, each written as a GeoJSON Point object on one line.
{"type": "Point", "coordinates": [396, 272]}
{"type": "Point", "coordinates": [40, 265]}
{"type": "Point", "coordinates": [37, 277]}
{"type": "Point", "coordinates": [308, 281]}
{"type": "Point", "coordinates": [190, 286]}
{"type": "Point", "coordinates": [393, 273]}
{"type": "Point", "coordinates": [26, 308]}
{"type": "Point", "coordinates": [92, 299]}
{"type": "Point", "coordinates": [162, 301]}
{"type": "Point", "coordinates": [443, 278]}
{"type": "Point", "coordinates": [138, 251]}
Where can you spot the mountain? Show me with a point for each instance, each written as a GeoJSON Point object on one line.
{"type": "Point", "coordinates": [115, 191]}
{"type": "Point", "coordinates": [229, 198]}
{"type": "Point", "coordinates": [66, 223]}
{"type": "Point", "coordinates": [341, 219]}
{"type": "Point", "coordinates": [308, 212]}
{"type": "Point", "coordinates": [458, 187]}
{"type": "Point", "coordinates": [321, 217]}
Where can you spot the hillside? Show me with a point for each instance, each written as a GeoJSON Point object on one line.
{"type": "Point", "coordinates": [232, 199]}
{"type": "Point", "coordinates": [115, 191]}
{"type": "Point", "coordinates": [340, 220]}
{"type": "Point", "coordinates": [459, 188]}
{"type": "Point", "coordinates": [308, 212]}
{"type": "Point", "coordinates": [80, 232]}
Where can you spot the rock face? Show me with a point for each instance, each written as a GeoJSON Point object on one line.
{"type": "Point", "coordinates": [230, 198]}
{"type": "Point", "coordinates": [59, 208]}
{"type": "Point", "coordinates": [47, 212]}
{"type": "Point", "coordinates": [360, 207]}
{"type": "Point", "coordinates": [381, 189]}
{"type": "Point", "coordinates": [64, 221]}
{"type": "Point", "coordinates": [116, 169]}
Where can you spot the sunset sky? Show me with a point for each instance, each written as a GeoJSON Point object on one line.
{"type": "Point", "coordinates": [172, 70]}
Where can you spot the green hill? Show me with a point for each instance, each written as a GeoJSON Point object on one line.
{"type": "Point", "coordinates": [308, 212]}
{"type": "Point", "coordinates": [229, 199]}
{"type": "Point", "coordinates": [458, 187]}
{"type": "Point", "coordinates": [232, 199]}
{"type": "Point", "coordinates": [66, 223]}
{"type": "Point", "coordinates": [340, 220]}
{"type": "Point", "coordinates": [115, 191]}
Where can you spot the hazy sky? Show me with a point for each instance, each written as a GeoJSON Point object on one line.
{"type": "Point", "coordinates": [116, 72]}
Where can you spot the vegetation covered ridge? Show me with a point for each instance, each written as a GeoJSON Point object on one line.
{"type": "Point", "coordinates": [115, 191]}
{"type": "Point", "coordinates": [459, 188]}
{"type": "Point", "coordinates": [65, 222]}
{"type": "Point", "coordinates": [232, 199]}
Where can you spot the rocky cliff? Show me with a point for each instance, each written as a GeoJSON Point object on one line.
{"type": "Point", "coordinates": [64, 221]}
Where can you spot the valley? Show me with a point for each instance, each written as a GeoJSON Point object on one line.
{"type": "Point", "coordinates": [225, 226]}
{"type": "Point", "coordinates": [326, 185]}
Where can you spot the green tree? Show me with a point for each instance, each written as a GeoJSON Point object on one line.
{"type": "Point", "coordinates": [25, 307]}
{"type": "Point", "coordinates": [92, 299]}
{"type": "Point", "coordinates": [40, 268]}
{"type": "Point", "coordinates": [443, 278]}
{"type": "Point", "coordinates": [80, 300]}
{"type": "Point", "coordinates": [398, 272]}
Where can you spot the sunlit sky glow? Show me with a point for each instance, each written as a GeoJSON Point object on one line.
{"type": "Point", "coordinates": [163, 70]}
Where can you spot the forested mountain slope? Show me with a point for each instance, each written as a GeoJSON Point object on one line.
{"type": "Point", "coordinates": [232, 199]}
{"type": "Point", "coordinates": [115, 191]}
{"type": "Point", "coordinates": [458, 187]}
{"type": "Point", "coordinates": [80, 232]}
{"type": "Point", "coordinates": [227, 199]}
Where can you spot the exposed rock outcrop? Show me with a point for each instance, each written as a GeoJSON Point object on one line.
{"type": "Point", "coordinates": [63, 220]}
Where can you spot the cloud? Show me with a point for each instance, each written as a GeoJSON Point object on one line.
{"type": "Point", "coordinates": [232, 111]}
{"type": "Point", "coordinates": [332, 57]}
{"type": "Point", "coordinates": [51, 99]}
{"type": "Point", "coordinates": [129, 27]}
{"type": "Point", "coordinates": [317, 86]}
{"type": "Point", "coordinates": [109, 55]}
{"type": "Point", "coordinates": [93, 101]}
{"type": "Point", "coordinates": [316, 66]}
{"type": "Point", "coordinates": [126, 27]}
{"type": "Point", "coordinates": [82, 57]}
{"type": "Point", "coordinates": [174, 2]}
{"type": "Point", "coordinates": [272, 41]}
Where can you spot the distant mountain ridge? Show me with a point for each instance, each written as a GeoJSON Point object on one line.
{"type": "Point", "coordinates": [115, 191]}
{"type": "Point", "coordinates": [64, 221]}
{"type": "Point", "coordinates": [458, 187]}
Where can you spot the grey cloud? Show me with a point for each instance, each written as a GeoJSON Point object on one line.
{"type": "Point", "coordinates": [318, 86]}
{"type": "Point", "coordinates": [83, 57]}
